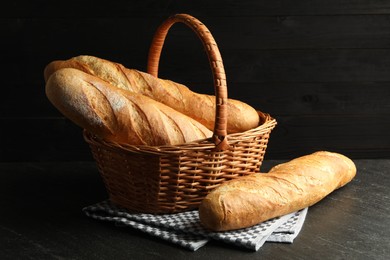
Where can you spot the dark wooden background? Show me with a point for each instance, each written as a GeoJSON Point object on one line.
{"type": "Point", "coordinates": [320, 67]}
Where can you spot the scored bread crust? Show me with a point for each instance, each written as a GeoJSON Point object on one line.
{"type": "Point", "coordinates": [118, 115]}
{"type": "Point", "coordinates": [287, 187]}
{"type": "Point", "coordinates": [201, 107]}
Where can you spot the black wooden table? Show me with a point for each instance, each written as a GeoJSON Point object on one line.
{"type": "Point", "coordinates": [41, 218]}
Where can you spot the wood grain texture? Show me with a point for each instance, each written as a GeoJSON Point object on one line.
{"type": "Point", "coordinates": [230, 8]}
{"type": "Point", "coordinates": [45, 220]}
{"type": "Point", "coordinates": [317, 66]}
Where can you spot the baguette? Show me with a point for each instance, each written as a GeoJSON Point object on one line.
{"type": "Point", "coordinates": [201, 107]}
{"type": "Point", "coordinates": [287, 187]}
{"type": "Point", "coordinates": [117, 115]}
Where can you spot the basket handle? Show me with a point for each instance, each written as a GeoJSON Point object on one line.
{"type": "Point", "coordinates": [215, 59]}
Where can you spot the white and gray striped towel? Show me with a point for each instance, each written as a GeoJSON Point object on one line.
{"type": "Point", "coordinates": [184, 229]}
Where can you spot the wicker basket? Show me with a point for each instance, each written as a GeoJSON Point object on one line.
{"type": "Point", "coordinates": [168, 179]}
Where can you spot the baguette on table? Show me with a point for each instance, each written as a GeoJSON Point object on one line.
{"type": "Point", "coordinates": [118, 115]}
{"type": "Point", "coordinates": [287, 188]}
{"type": "Point", "coordinates": [201, 107]}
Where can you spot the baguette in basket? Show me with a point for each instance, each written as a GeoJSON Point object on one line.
{"type": "Point", "coordinates": [118, 115]}
{"type": "Point", "coordinates": [168, 179]}
{"type": "Point", "coordinates": [200, 107]}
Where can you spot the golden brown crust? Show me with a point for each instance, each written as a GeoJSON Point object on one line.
{"type": "Point", "coordinates": [201, 107]}
{"type": "Point", "coordinates": [287, 187]}
{"type": "Point", "coordinates": [118, 115]}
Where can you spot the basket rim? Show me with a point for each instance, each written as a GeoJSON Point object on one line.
{"type": "Point", "coordinates": [267, 123]}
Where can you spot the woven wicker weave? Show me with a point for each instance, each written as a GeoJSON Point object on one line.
{"type": "Point", "coordinates": [167, 179]}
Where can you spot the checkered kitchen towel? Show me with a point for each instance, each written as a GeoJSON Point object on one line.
{"type": "Point", "coordinates": [184, 229]}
